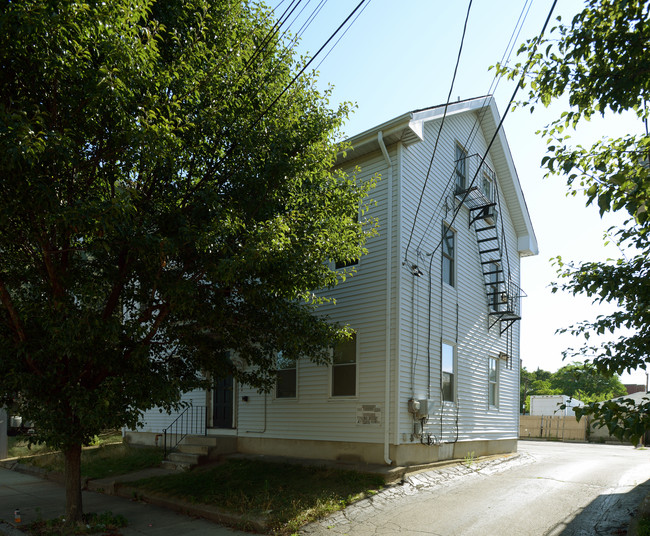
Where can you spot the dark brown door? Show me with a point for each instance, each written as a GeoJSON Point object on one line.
{"type": "Point", "coordinates": [222, 403]}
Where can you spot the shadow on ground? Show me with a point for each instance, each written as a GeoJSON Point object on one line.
{"type": "Point", "coordinates": [607, 515]}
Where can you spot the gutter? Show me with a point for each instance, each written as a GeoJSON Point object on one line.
{"type": "Point", "coordinates": [389, 275]}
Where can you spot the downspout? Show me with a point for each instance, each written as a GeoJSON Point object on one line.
{"type": "Point", "coordinates": [389, 276]}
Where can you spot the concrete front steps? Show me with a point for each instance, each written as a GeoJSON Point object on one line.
{"type": "Point", "coordinates": [197, 450]}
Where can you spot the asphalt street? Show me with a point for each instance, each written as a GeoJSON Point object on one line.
{"type": "Point", "coordinates": [568, 489]}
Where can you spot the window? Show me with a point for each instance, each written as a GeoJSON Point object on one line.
{"type": "Point", "coordinates": [344, 368]}
{"type": "Point", "coordinates": [448, 255]}
{"type": "Point", "coordinates": [493, 287]}
{"type": "Point", "coordinates": [489, 191]}
{"type": "Point", "coordinates": [493, 381]}
{"type": "Point", "coordinates": [461, 169]}
{"type": "Point", "coordinates": [285, 386]}
{"type": "Point", "coordinates": [344, 263]}
{"type": "Point", "coordinates": [487, 187]}
{"type": "Point", "coordinates": [447, 366]}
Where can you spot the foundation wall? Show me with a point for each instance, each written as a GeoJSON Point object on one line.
{"type": "Point", "coordinates": [401, 455]}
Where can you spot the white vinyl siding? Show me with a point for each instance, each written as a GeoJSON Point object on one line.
{"type": "Point", "coordinates": [317, 412]}
{"type": "Point", "coordinates": [460, 314]}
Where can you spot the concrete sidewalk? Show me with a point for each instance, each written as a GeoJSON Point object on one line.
{"type": "Point", "coordinates": [39, 498]}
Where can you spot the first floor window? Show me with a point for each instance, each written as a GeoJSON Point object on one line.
{"type": "Point", "coordinates": [493, 381]}
{"type": "Point", "coordinates": [448, 372]}
{"type": "Point", "coordinates": [344, 368]}
{"type": "Point", "coordinates": [286, 381]}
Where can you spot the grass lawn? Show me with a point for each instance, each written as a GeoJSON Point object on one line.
{"type": "Point", "coordinates": [107, 457]}
{"type": "Point", "coordinates": [19, 445]}
{"type": "Point", "coordinates": [288, 495]}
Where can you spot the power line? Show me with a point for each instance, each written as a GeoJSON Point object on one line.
{"type": "Point", "coordinates": [273, 32]}
{"type": "Point", "coordinates": [444, 115]}
{"type": "Point", "coordinates": [496, 132]}
{"type": "Point", "coordinates": [304, 68]}
{"type": "Point", "coordinates": [342, 36]}
{"type": "Point", "coordinates": [523, 15]}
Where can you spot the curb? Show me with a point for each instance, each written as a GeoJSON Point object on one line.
{"type": "Point", "coordinates": [205, 511]}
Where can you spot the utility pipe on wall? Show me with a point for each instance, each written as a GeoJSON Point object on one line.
{"type": "Point", "coordinates": [389, 275]}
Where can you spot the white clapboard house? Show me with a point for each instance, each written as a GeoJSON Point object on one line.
{"type": "Point", "coordinates": [433, 371]}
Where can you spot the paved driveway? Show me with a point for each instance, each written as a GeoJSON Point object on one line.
{"type": "Point", "coordinates": [551, 489]}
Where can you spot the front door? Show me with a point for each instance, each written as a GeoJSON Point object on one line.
{"type": "Point", "coordinates": [222, 403]}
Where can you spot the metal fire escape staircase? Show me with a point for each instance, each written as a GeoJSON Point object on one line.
{"type": "Point", "coordinates": [503, 295]}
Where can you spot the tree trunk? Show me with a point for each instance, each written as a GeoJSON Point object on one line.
{"type": "Point", "coordinates": [73, 507]}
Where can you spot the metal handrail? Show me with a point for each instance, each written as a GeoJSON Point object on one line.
{"type": "Point", "coordinates": [192, 421]}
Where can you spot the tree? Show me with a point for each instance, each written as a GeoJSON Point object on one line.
{"type": "Point", "coordinates": [167, 198]}
{"type": "Point", "coordinates": [582, 379]}
{"type": "Point", "coordinates": [600, 61]}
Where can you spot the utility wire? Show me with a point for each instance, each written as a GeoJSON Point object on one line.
{"type": "Point", "coordinates": [444, 115]}
{"type": "Point", "coordinates": [523, 15]}
{"type": "Point", "coordinates": [234, 144]}
{"type": "Point", "coordinates": [342, 35]}
{"type": "Point", "coordinates": [299, 74]}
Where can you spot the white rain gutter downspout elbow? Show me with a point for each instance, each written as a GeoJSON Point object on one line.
{"type": "Point", "coordinates": [389, 276]}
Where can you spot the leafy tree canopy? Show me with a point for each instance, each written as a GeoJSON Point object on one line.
{"type": "Point", "coordinates": [166, 198]}
{"type": "Point", "coordinates": [600, 62]}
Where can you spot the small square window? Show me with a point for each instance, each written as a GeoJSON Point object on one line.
{"type": "Point", "coordinates": [345, 264]}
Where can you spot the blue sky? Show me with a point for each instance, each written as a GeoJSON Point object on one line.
{"type": "Point", "coordinates": [400, 56]}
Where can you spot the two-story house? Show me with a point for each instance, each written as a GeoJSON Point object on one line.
{"type": "Point", "coordinates": [433, 370]}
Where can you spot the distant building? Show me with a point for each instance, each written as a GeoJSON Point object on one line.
{"type": "Point", "coordinates": [550, 405]}
{"type": "Point", "coordinates": [634, 388]}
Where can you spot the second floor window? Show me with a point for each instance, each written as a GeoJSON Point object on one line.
{"type": "Point", "coordinates": [448, 255]}
{"type": "Point", "coordinates": [460, 170]}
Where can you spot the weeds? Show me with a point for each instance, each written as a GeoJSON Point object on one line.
{"type": "Point", "coordinates": [105, 523]}
{"type": "Point", "coordinates": [104, 461]}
